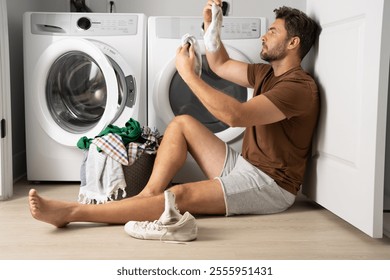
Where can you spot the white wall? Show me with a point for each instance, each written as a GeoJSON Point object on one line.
{"type": "Point", "coordinates": [262, 8]}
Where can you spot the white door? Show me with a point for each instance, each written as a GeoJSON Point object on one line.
{"type": "Point", "coordinates": [5, 109]}
{"type": "Point", "coordinates": [346, 174]}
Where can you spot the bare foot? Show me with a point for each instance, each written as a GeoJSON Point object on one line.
{"type": "Point", "coordinates": [49, 211]}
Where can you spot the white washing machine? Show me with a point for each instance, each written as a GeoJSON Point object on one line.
{"type": "Point", "coordinates": [169, 96]}
{"type": "Point", "coordinates": [82, 72]}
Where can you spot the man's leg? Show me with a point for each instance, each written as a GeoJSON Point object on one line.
{"type": "Point", "coordinates": [184, 134]}
{"type": "Point", "coordinates": [198, 198]}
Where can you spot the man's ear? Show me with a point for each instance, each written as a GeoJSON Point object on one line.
{"type": "Point", "coordinates": [294, 42]}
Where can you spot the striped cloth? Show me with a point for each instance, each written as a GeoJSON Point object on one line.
{"type": "Point", "coordinates": [150, 143]}
{"type": "Point", "coordinates": [112, 145]}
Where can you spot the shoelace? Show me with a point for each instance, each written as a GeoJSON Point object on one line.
{"type": "Point", "coordinates": [155, 225]}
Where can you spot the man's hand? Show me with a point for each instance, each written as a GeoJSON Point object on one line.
{"type": "Point", "coordinates": [207, 12]}
{"type": "Point", "coordinates": [185, 61]}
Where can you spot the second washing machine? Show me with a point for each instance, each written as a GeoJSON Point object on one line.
{"type": "Point", "coordinates": [168, 95]}
{"type": "Point", "coordinates": [83, 71]}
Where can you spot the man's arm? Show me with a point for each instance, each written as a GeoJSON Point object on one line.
{"type": "Point", "coordinates": [227, 68]}
{"type": "Point", "coordinates": [256, 111]}
{"type": "Point", "coordinates": [219, 61]}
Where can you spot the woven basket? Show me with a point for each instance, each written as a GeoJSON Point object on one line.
{"type": "Point", "coordinates": [138, 174]}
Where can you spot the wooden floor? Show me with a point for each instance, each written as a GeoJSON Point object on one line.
{"type": "Point", "coordinates": [306, 231]}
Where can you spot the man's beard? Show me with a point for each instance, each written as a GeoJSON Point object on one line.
{"type": "Point", "coordinates": [277, 53]}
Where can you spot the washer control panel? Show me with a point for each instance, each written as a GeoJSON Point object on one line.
{"type": "Point", "coordinates": [91, 24]}
{"type": "Point", "coordinates": [84, 24]}
{"type": "Point", "coordinates": [232, 27]}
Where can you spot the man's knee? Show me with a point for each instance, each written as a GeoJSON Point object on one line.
{"type": "Point", "coordinates": [185, 124]}
{"type": "Point", "coordinates": [184, 120]}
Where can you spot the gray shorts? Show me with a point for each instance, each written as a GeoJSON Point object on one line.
{"type": "Point", "coordinates": [248, 190]}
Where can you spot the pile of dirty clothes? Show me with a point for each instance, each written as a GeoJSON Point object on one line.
{"type": "Point", "coordinates": [101, 173]}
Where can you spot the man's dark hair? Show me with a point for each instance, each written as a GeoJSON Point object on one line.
{"type": "Point", "coordinates": [300, 25]}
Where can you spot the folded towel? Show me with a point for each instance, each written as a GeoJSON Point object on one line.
{"type": "Point", "coordinates": [212, 37]}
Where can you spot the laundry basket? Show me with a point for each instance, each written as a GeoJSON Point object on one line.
{"type": "Point", "coordinates": [138, 174]}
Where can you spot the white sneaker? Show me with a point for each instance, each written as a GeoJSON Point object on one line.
{"type": "Point", "coordinates": [183, 230]}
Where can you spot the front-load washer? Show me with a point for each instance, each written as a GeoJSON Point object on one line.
{"type": "Point", "coordinates": [82, 71]}
{"type": "Point", "coordinates": [169, 96]}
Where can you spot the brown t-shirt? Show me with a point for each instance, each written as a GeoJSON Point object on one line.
{"type": "Point", "coordinates": [281, 149]}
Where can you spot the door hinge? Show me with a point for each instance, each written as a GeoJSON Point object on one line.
{"type": "Point", "coordinates": [2, 128]}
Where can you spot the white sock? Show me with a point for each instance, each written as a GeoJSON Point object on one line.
{"type": "Point", "coordinates": [212, 37]}
{"type": "Point", "coordinates": [171, 214]}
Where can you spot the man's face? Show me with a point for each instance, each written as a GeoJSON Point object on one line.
{"type": "Point", "coordinates": [275, 42]}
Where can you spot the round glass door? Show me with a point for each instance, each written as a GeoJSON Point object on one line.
{"type": "Point", "coordinates": [76, 92]}
{"type": "Point", "coordinates": [183, 100]}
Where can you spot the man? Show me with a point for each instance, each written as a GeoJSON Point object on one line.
{"type": "Point", "coordinates": [280, 120]}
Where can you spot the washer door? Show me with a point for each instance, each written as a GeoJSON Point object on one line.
{"type": "Point", "coordinates": [77, 90]}
{"type": "Point", "coordinates": [173, 97]}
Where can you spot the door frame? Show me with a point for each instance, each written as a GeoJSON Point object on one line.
{"type": "Point", "coordinates": [6, 180]}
